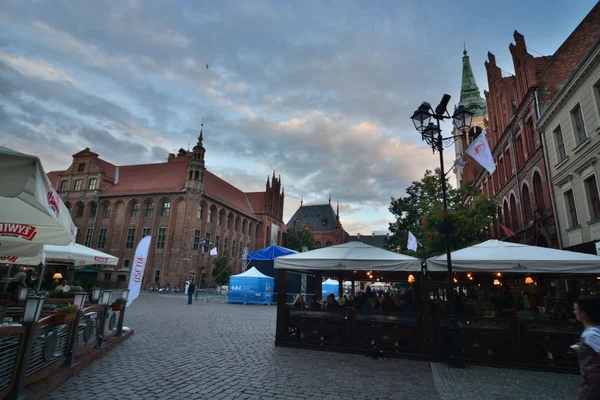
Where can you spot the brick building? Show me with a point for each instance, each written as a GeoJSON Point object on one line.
{"type": "Point", "coordinates": [184, 207]}
{"type": "Point", "coordinates": [322, 221]}
{"type": "Point", "coordinates": [514, 104]}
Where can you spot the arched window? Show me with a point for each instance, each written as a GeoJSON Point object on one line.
{"type": "Point", "coordinates": [526, 205]}
{"type": "Point", "coordinates": [500, 220]}
{"type": "Point", "coordinates": [135, 209]}
{"type": "Point", "coordinates": [538, 191]}
{"type": "Point", "coordinates": [106, 211]}
{"type": "Point", "coordinates": [149, 208]}
{"type": "Point", "coordinates": [197, 175]}
{"type": "Point", "coordinates": [68, 205]}
{"type": "Point", "coordinates": [200, 211]}
{"type": "Point", "coordinates": [328, 244]}
{"type": "Point", "coordinates": [317, 245]}
{"type": "Point", "coordinates": [79, 211]}
{"type": "Point", "coordinates": [507, 219]}
{"type": "Point", "coordinates": [166, 208]}
{"type": "Point", "coordinates": [513, 213]}
{"type": "Point", "coordinates": [229, 220]}
{"type": "Point", "coordinates": [93, 209]}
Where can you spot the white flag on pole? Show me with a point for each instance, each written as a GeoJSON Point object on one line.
{"type": "Point", "coordinates": [139, 264]}
{"type": "Point", "coordinates": [481, 152]}
{"type": "Point", "coordinates": [213, 251]}
{"type": "Point", "coordinates": [412, 242]}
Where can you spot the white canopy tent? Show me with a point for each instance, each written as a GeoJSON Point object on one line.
{"type": "Point", "coordinates": [497, 256]}
{"type": "Point", "coordinates": [31, 212]}
{"type": "Point", "coordinates": [252, 273]}
{"type": "Point", "coordinates": [80, 255]}
{"type": "Point", "coordinates": [355, 256]}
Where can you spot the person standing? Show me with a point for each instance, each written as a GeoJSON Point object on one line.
{"type": "Point", "coordinates": [191, 290]}
{"type": "Point", "coordinates": [587, 311]}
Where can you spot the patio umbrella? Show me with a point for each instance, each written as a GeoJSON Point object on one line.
{"type": "Point", "coordinates": [79, 254]}
{"type": "Point", "coordinates": [31, 212]}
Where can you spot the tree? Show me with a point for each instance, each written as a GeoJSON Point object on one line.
{"type": "Point", "coordinates": [222, 270]}
{"type": "Point", "coordinates": [423, 204]}
{"type": "Point", "coordinates": [299, 236]}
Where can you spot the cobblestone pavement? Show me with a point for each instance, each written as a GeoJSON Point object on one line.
{"type": "Point", "coordinates": [477, 383]}
{"type": "Point", "coordinates": [220, 351]}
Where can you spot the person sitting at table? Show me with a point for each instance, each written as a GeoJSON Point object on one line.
{"type": "Point", "coordinates": [299, 301]}
{"type": "Point", "coordinates": [332, 302]}
{"type": "Point", "coordinates": [314, 302]}
{"type": "Point", "coordinates": [63, 287]}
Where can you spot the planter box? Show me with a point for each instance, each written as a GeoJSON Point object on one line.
{"type": "Point", "coordinates": [60, 318]}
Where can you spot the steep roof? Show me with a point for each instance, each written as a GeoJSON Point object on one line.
{"type": "Point", "coordinates": [149, 178]}
{"type": "Point", "coordinates": [257, 201]}
{"type": "Point", "coordinates": [371, 240]}
{"type": "Point", "coordinates": [321, 217]}
{"type": "Point", "coordinates": [470, 96]}
{"type": "Point", "coordinates": [220, 190]}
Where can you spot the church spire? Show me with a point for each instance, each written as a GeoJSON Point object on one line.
{"type": "Point", "coordinates": [337, 212]}
{"type": "Point", "coordinates": [200, 137]}
{"type": "Point", "coordinates": [470, 97]}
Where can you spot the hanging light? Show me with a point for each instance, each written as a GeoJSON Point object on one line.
{"type": "Point", "coordinates": [496, 282]}
{"type": "Point", "coordinates": [469, 275]}
{"type": "Point", "coordinates": [33, 309]}
{"type": "Point", "coordinates": [22, 295]}
{"type": "Point", "coordinates": [498, 274]}
{"type": "Point", "coordinates": [462, 119]}
{"type": "Point", "coordinates": [411, 278]}
{"type": "Point", "coordinates": [455, 280]}
{"type": "Point", "coordinates": [529, 280]}
{"type": "Point", "coordinates": [422, 116]}
{"type": "Point", "coordinates": [106, 295]}
{"type": "Point", "coordinates": [57, 276]}
{"type": "Point", "coordinates": [96, 294]}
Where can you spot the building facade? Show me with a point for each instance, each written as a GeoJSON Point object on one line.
{"type": "Point", "coordinates": [372, 240]}
{"type": "Point", "coordinates": [322, 221]}
{"type": "Point", "coordinates": [570, 129]}
{"type": "Point", "coordinates": [520, 183]}
{"type": "Point", "coordinates": [186, 209]}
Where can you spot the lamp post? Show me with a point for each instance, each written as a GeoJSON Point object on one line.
{"type": "Point", "coordinates": [431, 133]}
{"type": "Point", "coordinates": [22, 294]}
{"type": "Point", "coordinates": [105, 302]}
{"type": "Point", "coordinates": [96, 292]}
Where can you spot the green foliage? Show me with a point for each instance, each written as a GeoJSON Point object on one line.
{"type": "Point", "coordinates": [222, 270]}
{"type": "Point", "coordinates": [298, 236]}
{"type": "Point", "coordinates": [422, 209]}
{"type": "Point", "coordinates": [68, 309]}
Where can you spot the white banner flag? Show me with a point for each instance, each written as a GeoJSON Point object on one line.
{"type": "Point", "coordinates": [213, 251]}
{"type": "Point", "coordinates": [139, 264]}
{"type": "Point", "coordinates": [412, 242]}
{"type": "Point", "coordinates": [460, 163]}
{"type": "Point", "coordinates": [481, 152]}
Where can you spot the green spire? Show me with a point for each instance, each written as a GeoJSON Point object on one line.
{"type": "Point", "coordinates": [469, 92]}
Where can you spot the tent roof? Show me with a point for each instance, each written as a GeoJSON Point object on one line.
{"type": "Point", "coordinates": [270, 253]}
{"type": "Point", "coordinates": [252, 273]}
{"type": "Point", "coordinates": [79, 254]}
{"type": "Point", "coordinates": [347, 257]}
{"type": "Point", "coordinates": [497, 256]}
{"type": "Point", "coordinates": [330, 282]}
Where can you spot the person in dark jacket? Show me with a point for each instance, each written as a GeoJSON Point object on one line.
{"type": "Point", "coordinates": [587, 311]}
{"type": "Point", "coordinates": [191, 290]}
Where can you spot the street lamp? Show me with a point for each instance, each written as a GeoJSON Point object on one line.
{"type": "Point", "coordinates": [431, 133]}
{"type": "Point", "coordinates": [96, 292]}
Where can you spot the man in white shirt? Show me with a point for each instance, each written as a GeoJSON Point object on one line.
{"type": "Point", "coordinates": [63, 287]}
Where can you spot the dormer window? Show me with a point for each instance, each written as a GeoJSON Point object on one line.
{"type": "Point", "coordinates": [80, 167]}
{"type": "Point", "coordinates": [325, 221]}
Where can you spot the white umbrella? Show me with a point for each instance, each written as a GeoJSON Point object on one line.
{"type": "Point", "coordinates": [79, 254]}
{"type": "Point", "coordinates": [31, 212]}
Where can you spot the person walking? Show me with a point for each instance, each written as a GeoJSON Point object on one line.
{"type": "Point", "coordinates": [191, 290]}
{"type": "Point", "coordinates": [587, 311]}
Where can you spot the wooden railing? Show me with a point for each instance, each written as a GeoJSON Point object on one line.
{"type": "Point", "coordinates": [31, 352]}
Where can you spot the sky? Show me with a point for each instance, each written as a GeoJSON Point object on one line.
{"type": "Point", "coordinates": [319, 91]}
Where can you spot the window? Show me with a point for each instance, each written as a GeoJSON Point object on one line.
{"type": "Point", "coordinates": [92, 184]}
{"type": "Point", "coordinates": [508, 164]}
{"type": "Point", "coordinates": [89, 233]}
{"type": "Point", "coordinates": [220, 220]}
{"type": "Point", "coordinates": [130, 238]}
{"type": "Point", "coordinates": [207, 243]}
{"type": "Point", "coordinates": [192, 276]}
{"type": "Point", "coordinates": [519, 151]}
{"type": "Point", "coordinates": [210, 215]}
{"type": "Point", "coordinates": [80, 209]}
{"type": "Point", "coordinates": [237, 225]}
{"type": "Point", "coordinates": [197, 238]}
{"type": "Point", "coordinates": [531, 133]}
{"type": "Point", "coordinates": [199, 212]}
{"type": "Point", "coordinates": [156, 276]}
{"type": "Point", "coordinates": [135, 209]}
{"type": "Point", "coordinates": [244, 227]}
{"type": "Point", "coordinates": [161, 238]}
{"type": "Point", "coordinates": [226, 245]}
{"type": "Point", "coordinates": [591, 188]}
{"type": "Point", "coordinates": [93, 210]}
{"type": "Point", "coordinates": [80, 167]}
{"type": "Point", "coordinates": [233, 249]}
{"type": "Point", "coordinates": [107, 276]}
{"type": "Point", "coordinates": [579, 124]}
{"type": "Point", "coordinates": [106, 212]}
{"type": "Point", "coordinates": [560, 145]}
{"type": "Point", "coordinates": [218, 243]}
{"type": "Point", "coordinates": [538, 192]}
{"type": "Point", "coordinates": [126, 263]}
{"type": "Point", "coordinates": [242, 249]}
{"type": "Point", "coordinates": [328, 244]}
{"type": "Point", "coordinates": [146, 231]}
{"type": "Point", "coordinates": [101, 238]}
{"type": "Point", "coordinates": [202, 278]}
{"type": "Point", "coordinates": [507, 219]}
{"type": "Point", "coordinates": [571, 209]}
{"type": "Point", "coordinates": [77, 185]}
{"type": "Point", "coordinates": [229, 217]}
{"type": "Point", "coordinates": [64, 186]}
{"type": "Point", "coordinates": [77, 236]}
{"type": "Point", "coordinates": [166, 209]}
{"type": "Point", "coordinates": [513, 213]}
{"type": "Point", "coordinates": [526, 205]}
{"type": "Point", "coordinates": [149, 209]}
{"type": "Point", "coordinates": [502, 172]}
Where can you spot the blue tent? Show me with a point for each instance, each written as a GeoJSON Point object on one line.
{"type": "Point", "coordinates": [251, 287]}
{"type": "Point", "coordinates": [270, 253]}
{"type": "Point", "coordinates": [329, 286]}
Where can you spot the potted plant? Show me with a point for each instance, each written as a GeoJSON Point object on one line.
{"type": "Point", "coordinates": [65, 314]}
{"type": "Point", "coordinates": [118, 304]}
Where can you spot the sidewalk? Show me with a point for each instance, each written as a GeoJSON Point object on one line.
{"type": "Point", "coordinates": [477, 382]}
